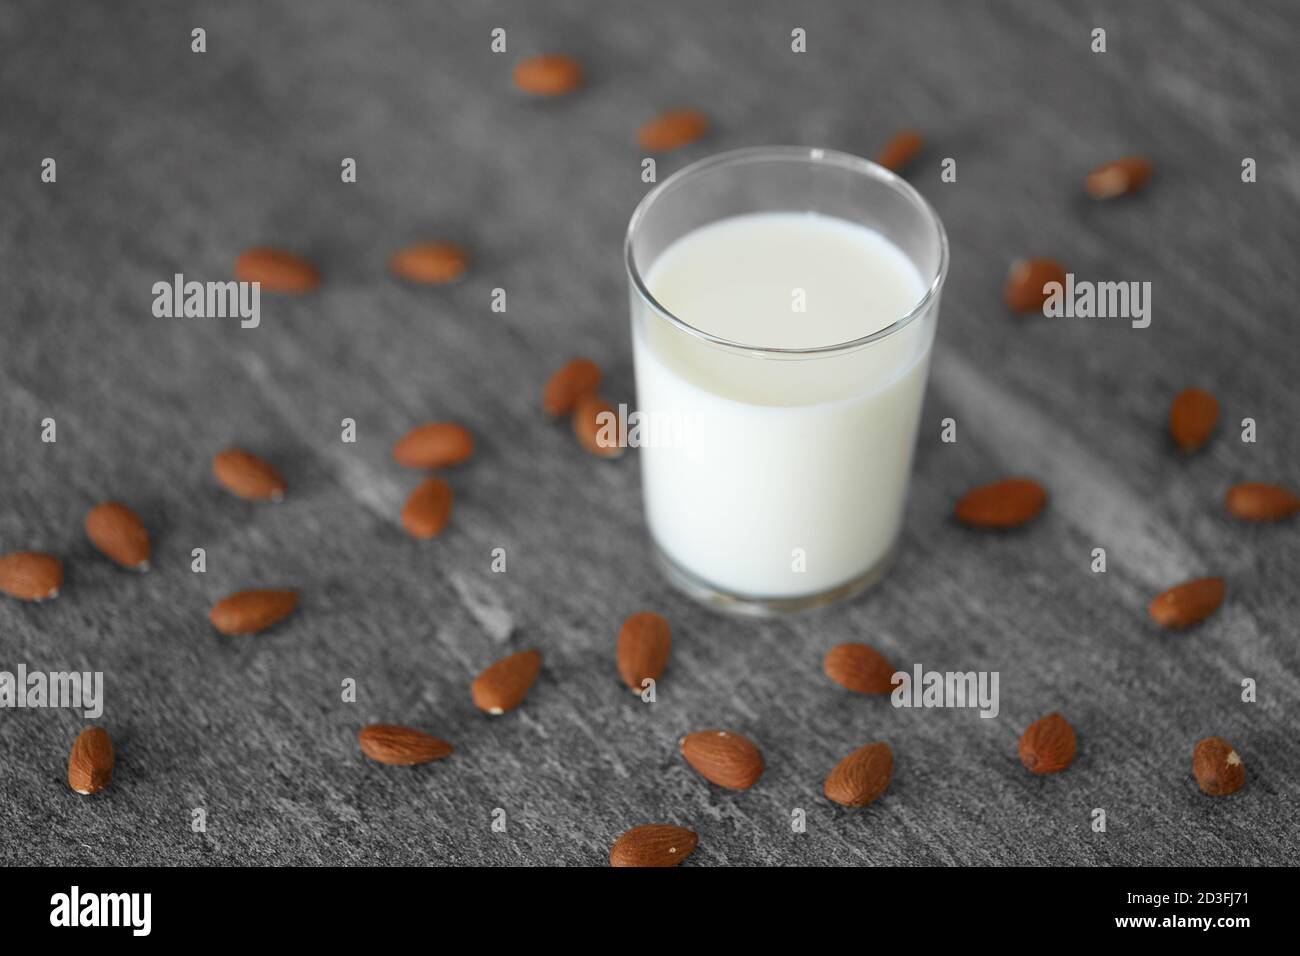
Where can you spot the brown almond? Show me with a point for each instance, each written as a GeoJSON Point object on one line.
{"type": "Point", "coordinates": [277, 270]}
{"type": "Point", "coordinates": [1118, 177]}
{"type": "Point", "coordinates": [597, 426]}
{"type": "Point", "coordinates": [248, 612]}
{"type": "Point", "coordinates": [1188, 603]}
{"type": "Point", "coordinates": [401, 746]}
{"type": "Point", "coordinates": [1192, 418]}
{"type": "Point", "coordinates": [1256, 501]}
{"type": "Point", "coordinates": [1003, 504]}
{"type": "Point", "coordinates": [1048, 745]}
{"type": "Point", "coordinates": [1025, 283]}
{"type": "Point", "coordinates": [860, 668]}
{"type": "Point", "coordinates": [1217, 767]}
{"type": "Point", "coordinates": [427, 509]}
{"type": "Point", "coordinates": [118, 531]}
{"type": "Point", "coordinates": [578, 378]}
{"type": "Point", "coordinates": [655, 844]}
{"type": "Point", "coordinates": [30, 576]}
{"type": "Point", "coordinates": [90, 764]}
{"type": "Point", "coordinates": [551, 74]}
{"type": "Point", "coordinates": [436, 445]}
{"type": "Point", "coordinates": [721, 757]}
{"type": "Point", "coordinates": [672, 130]}
{"type": "Point", "coordinates": [643, 647]}
{"type": "Point", "coordinates": [505, 684]}
{"type": "Point", "coordinates": [244, 474]}
{"type": "Point", "coordinates": [901, 150]}
{"type": "Point", "coordinates": [432, 263]}
{"type": "Point", "coordinates": [862, 776]}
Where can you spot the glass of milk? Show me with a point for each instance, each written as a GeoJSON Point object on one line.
{"type": "Point", "coordinates": [784, 302]}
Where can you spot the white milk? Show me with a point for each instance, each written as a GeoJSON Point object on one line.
{"type": "Point", "coordinates": [779, 478]}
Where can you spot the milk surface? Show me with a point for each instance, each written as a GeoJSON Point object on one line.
{"type": "Point", "coordinates": [740, 279]}
{"type": "Point", "coordinates": [784, 477]}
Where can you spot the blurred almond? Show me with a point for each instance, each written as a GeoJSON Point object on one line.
{"type": "Point", "coordinates": [862, 776]}
{"type": "Point", "coordinates": [1255, 501]}
{"type": "Point", "coordinates": [597, 426]}
{"type": "Point", "coordinates": [901, 150]}
{"type": "Point", "coordinates": [672, 130]}
{"type": "Point", "coordinates": [248, 612]}
{"type": "Point", "coordinates": [1217, 767]}
{"type": "Point", "coordinates": [1192, 418]}
{"type": "Point", "coordinates": [552, 74]}
{"type": "Point", "coordinates": [1025, 282]}
{"type": "Point", "coordinates": [30, 576]}
{"type": "Point", "coordinates": [577, 379]}
{"type": "Point", "coordinates": [1188, 603]}
{"type": "Point", "coordinates": [1002, 504]}
{"type": "Point", "coordinates": [401, 746]}
{"type": "Point", "coordinates": [505, 684]}
{"type": "Point", "coordinates": [277, 270]}
{"type": "Point", "coordinates": [860, 668]}
{"type": "Point", "coordinates": [1118, 177]}
{"type": "Point", "coordinates": [722, 757]}
{"type": "Point", "coordinates": [90, 765]}
{"type": "Point", "coordinates": [244, 474]}
{"type": "Point", "coordinates": [436, 445]}
{"type": "Point", "coordinates": [643, 647]}
{"type": "Point", "coordinates": [427, 509]}
{"type": "Point", "coordinates": [1048, 745]}
{"type": "Point", "coordinates": [655, 844]}
{"type": "Point", "coordinates": [118, 531]}
{"type": "Point", "coordinates": [431, 263]}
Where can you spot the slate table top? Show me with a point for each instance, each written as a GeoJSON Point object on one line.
{"type": "Point", "coordinates": [171, 161]}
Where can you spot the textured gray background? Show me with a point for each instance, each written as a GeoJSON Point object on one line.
{"type": "Point", "coordinates": [170, 161]}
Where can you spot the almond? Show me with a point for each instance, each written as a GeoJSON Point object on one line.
{"type": "Point", "coordinates": [1192, 418]}
{"type": "Point", "coordinates": [1188, 603]}
{"type": "Point", "coordinates": [1004, 504]}
{"type": "Point", "coordinates": [643, 647]}
{"type": "Point", "coordinates": [862, 776]}
{"type": "Point", "coordinates": [671, 130]}
{"type": "Point", "coordinates": [552, 74]}
{"type": "Point", "coordinates": [901, 150]}
{"type": "Point", "coordinates": [721, 757]}
{"type": "Point", "coordinates": [597, 425]}
{"type": "Point", "coordinates": [1118, 177]}
{"type": "Point", "coordinates": [90, 765]}
{"type": "Point", "coordinates": [655, 844]}
{"type": "Point", "coordinates": [30, 576]}
{"type": "Point", "coordinates": [1024, 290]}
{"type": "Point", "coordinates": [1217, 767]}
{"type": "Point", "coordinates": [1048, 745]}
{"type": "Point", "coordinates": [277, 270]}
{"type": "Point", "coordinates": [426, 511]}
{"type": "Point", "coordinates": [577, 379]}
{"type": "Point", "coordinates": [118, 531]}
{"type": "Point", "coordinates": [248, 612]}
{"type": "Point", "coordinates": [436, 445]}
{"type": "Point", "coordinates": [401, 746]}
{"type": "Point", "coordinates": [860, 668]}
{"type": "Point", "coordinates": [1255, 501]}
{"type": "Point", "coordinates": [246, 475]}
{"type": "Point", "coordinates": [432, 263]}
{"type": "Point", "coordinates": [505, 684]}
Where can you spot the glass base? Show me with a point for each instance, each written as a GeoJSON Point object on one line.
{"type": "Point", "coordinates": [745, 605]}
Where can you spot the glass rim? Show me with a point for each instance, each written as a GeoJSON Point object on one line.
{"type": "Point", "coordinates": [810, 155]}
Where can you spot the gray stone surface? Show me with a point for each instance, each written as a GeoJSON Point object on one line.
{"type": "Point", "coordinates": [170, 161]}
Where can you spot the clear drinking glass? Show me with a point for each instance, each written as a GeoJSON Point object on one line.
{"type": "Point", "coordinates": [775, 478]}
